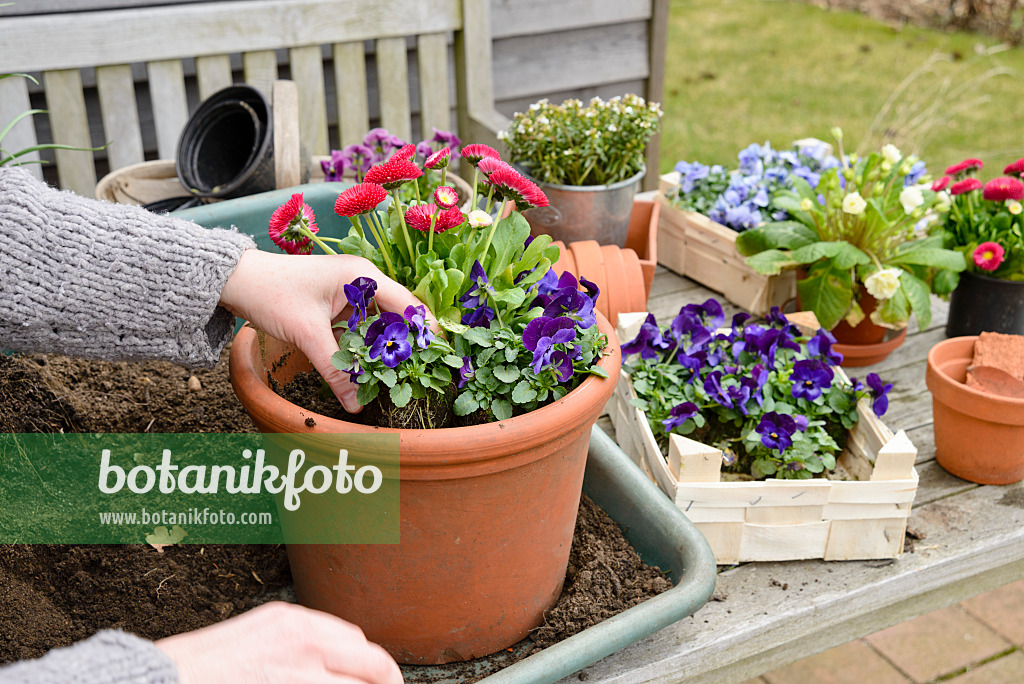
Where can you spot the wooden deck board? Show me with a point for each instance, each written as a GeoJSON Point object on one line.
{"type": "Point", "coordinates": [973, 541]}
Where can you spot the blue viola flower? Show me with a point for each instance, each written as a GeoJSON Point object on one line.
{"type": "Point", "coordinates": [479, 317]}
{"type": "Point", "coordinates": [466, 373]}
{"type": "Point", "coordinates": [649, 342]}
{"type": "Point", "coordinates": [359, 294]}
{"type": "Point", "coordinates": [739, 395]}
{"type": "Point", "coordinates": [820, 346]}
{"type": "Point", "coordinates": [858, 386]}
{"type": "Point", "coordinates": [767, 342]}
{"type": "Point", "coordinates": [688, 331]}
{"type": "Point", "coordinates": [715, 391]}
{"type": "Point", "coordinates": [547, 284]}
{"type": "Point", "coordinates": [479, 287]}
{"type": "Point", "coordinates": [692, 362]}
{"type": "Point", "coordinates": [801, 422]}
{"type": "Point", "coordinates": [916, 171]}
{"type": "Point", "coordinates": [776, 318]}
{"type": "Point", "coordinates": [810, 377]}
{"type": "Point", "coordinates": [776, 430]}
{"type": "Point", "coordinates": [567, 300]}
{"type": "Point", "coordinates": [417, 317]}
{"type": "Point", "coordinates": [679, 414]}
{"type": "Point", "coordinates": [392, 346]}
{"type": "Point", "coordinates": [879, 394]}
{"type": "Point", "coordinates": [376, 328]}
{"type": "Point", "coordinates": [540, 337]}
{"type": "Point", "coordinates": [354, 372]}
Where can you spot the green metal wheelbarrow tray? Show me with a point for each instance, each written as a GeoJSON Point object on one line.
{"type": "Point", "coordinates": [659, 531]}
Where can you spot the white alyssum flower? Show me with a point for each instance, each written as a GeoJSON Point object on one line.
{"type": "Point", "coordinates": [884, 283]}
{"type": "Point", "coordinates": [891, 153]}
{"type": "Point", "coordinates": [911, 198]}
{"type": "Point", "coordinates": [478, 218]}
{"type": "Point", "coordinates": [854, 204]}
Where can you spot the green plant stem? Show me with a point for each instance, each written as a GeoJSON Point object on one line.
{"type": "Point", "coordinates": [473, 200]}
{"type": "Point", "coordinates": [433, 222]}
{"type": "Point", "coordinates": [306, 232]}
{"type": "Point", "coordinates": [358, 226]}
{"type": "Point", "coordinates": [405, 228]}
{"type": "Point", "coordinates": [377, 229]}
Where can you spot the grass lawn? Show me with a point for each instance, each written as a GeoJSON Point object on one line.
{"type": "Point", "coordinates": [742, 71]}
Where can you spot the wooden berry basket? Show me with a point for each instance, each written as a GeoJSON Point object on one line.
{"type": "Point", "coordinates": [772, 520]}
{"type": "Point", "coordinates": [697, 247]}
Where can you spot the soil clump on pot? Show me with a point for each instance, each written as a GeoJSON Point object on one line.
{"type": "Point", "coordinates": [53, 596]}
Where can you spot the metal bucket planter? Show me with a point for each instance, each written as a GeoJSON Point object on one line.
{"type": "Point", "coordinates": [586, 212]}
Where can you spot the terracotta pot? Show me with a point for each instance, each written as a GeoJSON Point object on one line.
{"type": "Point", "coordinates": [857, 355]}
{"type": "Point", "coordinates": [617, 272]}
{"type": "Point", "coordinates": [865, 332]}
{"type": "Point", "coordinates": [487, 517]}
{"type": "Point", "coordinates": [978, 436]}
{"type": "Point", "coordinates": [643, 237]}
{"type": "Point", "coordinates": [866, 343]}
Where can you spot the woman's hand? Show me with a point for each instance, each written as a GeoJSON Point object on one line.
{"type": "Point", "coordinates": [296, 298]}
{"type": "Point", "coordinates": [279, 643]}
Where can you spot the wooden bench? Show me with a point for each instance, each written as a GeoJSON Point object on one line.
{"type": "Point", "coordinates": [160, 45]}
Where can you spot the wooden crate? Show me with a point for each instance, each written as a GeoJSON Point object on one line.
{"type": "Point", "coordinates": [693, 245]}
{"type": "Point", "coordinates": [772, 520]}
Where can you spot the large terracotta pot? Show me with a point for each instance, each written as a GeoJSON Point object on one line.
{"type": "Point", "coordinates": [865, 332]}
{"type": "Point", "coordinates": [487, 517]}
{"type": "Point", "coordinates": [866, 343]}
{"type": "Point", "coordinates": [978, 436]}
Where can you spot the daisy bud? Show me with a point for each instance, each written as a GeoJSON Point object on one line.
{"type": "Point", "coordinates": [478, 218]}
{"type": "Point", "coordinates": [439, 159]}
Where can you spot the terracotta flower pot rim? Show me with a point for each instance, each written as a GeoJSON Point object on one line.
{"type": "Point", "coordinates": [864, 350]}
{"type": "Point", "coordinates": [428, 449]}
{"type": "Point", "coordinates": [982, 405]}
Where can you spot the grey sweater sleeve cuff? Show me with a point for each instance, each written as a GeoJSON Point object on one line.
{"type": "Point", "coordinates": [109, 657]}
{"type": "Point", "coordinates": [90, 278]}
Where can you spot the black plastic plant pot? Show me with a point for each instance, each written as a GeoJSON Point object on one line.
{"type": "Point", "coordinates": [984, 304]}
{"type": "Point", "coordinates": [227, 147]}
{"type": "Point", "coordinates": [165, 206]}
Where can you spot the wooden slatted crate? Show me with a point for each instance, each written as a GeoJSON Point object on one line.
{"type": "Point", "coordinates": [693, 245]}
{"type": "Point", "coordinates": [864, 517]}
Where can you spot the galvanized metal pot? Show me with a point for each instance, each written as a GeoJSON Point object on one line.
{"type": "Point", "coordinates": [586, 212]}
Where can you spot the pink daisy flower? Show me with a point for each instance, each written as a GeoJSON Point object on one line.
{"type": "Point", "coordinates": [359, 199]}
{"type": "Point", "coordinates": [394, 172]}
{"type": "Point", "coordinates": [965, 185]}
{"type": "Point", "coordinates": [419, 216]}
{"type": "Point", "coordinates": [489, 165]}
{"type": "Point", "coordinates": [1004, 188]}
{"type": "Point", "coordinates": [439, 159]}
{"type": "Point", "coordinates": [286, 220]}
{"type": "Point", "coordinates": [941, 184]}
{"type": "Point", "coordinates": [988, 256]}
{"type": "Point", "coordinates": [405, 152]}
{"type": "Point", "coordinates": [475, 152]}
{"type": "Point", "coordinates": [1015, 169]}
{"type": "Point", "coordinates": [513, 186]}
{"type": "Point", "coordinates": [445, 197]}
{"type": "Point", "coordinates": [965, 167]}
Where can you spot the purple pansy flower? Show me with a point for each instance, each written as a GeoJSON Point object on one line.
{"type": "Point", "coordinates": [713, 386]}
{"type": "Point", "coordinates": [359, 294]}
{"type": "Point", "coordinates": [479, 317]}
{"type": "Point", "coordinates": [357, 157]}
{"type": "Point", "coordinates": [417, 317]}
{"type": "Point", "coordinates": [466, 373]}
{"type": "Point", "coordinates": [392, 345]}
{"type": "Point", "coordinates": [449, 139]}
{"type": "Point", "coordinates": [821, 346]}
{"type": "Point", "coordinates": [424, 149]}
{"type": "Point", "coordinates": [354, 372]}
{"type": "Point", "coordinates": [879, 394]}
{"type": "Point", "coordinates": [776, 430]}
{"type": "Point", "coordinates": [679, 414]}
{"type": "Point", "coordinates": [335, 167]}
{"type": "Point", "coordinates": [479, 287]}
{"type": "Point", "coordinates": [649, 341]}
{"type": "Point", "coordinates": [376, 328]}
{"type": "Point", "coordinates": [540, 337]}
{"type": "Point", "coordinates": [810, 377]}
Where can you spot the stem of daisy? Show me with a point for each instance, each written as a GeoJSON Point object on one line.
{"type": "Point", "coordinates": [473, 196]}
{"type": "Point", "coordinates": [487, 242]}
{"type": "Point", "coordinates": [444, 176]}
{"type": "Point", "coordinates": [306, 232]}
{"type": "Point", "coordinates": [327, 239]}
{"type": "Point", "coordinates": [384, 247]}
{"type": "Point", "coordinates": [433, 221]}
{"type": "Point", "coordinates": [405, 228]}
{"type": "Point", "coordinates": [490, 200]}
{"type": "Point", "coordinates": [358, 226]}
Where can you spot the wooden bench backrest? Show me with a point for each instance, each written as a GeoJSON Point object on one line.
{"type": "Point", "coordinates": [61, 46]}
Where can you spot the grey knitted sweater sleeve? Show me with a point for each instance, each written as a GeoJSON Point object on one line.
{"type": "Point", "coordinates": [109, 657]}
{"type": "Point", "coordinates": [90, 278]}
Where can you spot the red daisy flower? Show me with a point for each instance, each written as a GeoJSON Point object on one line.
{"type": "Point", "coordinates": [405, 152]}
{"type": "Point", "coordinates": [445, 197]}
{"type": "Point", "coordinates": [475, 152]}
{"type": "Point", "coordinates": [489, 165]}
{"type": "Point", "coordinates": [1015, 169]}
{"type": "Point", "coordinates": [965, 185]}
{"type": "Point", "coordinates": [1004, 188]}
{"type": "Point", "coordinates": [286, 220]}
{"type": "Point", "coordinates": [941, 184]}
{"type": "Point", "coordinates": [359, 199]}
{"type": "Point", "coordinates": [418, 217]}
{"type": "Point", "coordinates": [513, 186]}
{"type": "Point", "coordinates": [394, 172]}
{"type": "Point", "coordinates": [439, 159]}
{"type": "Point", "coordinates": [989, 255]}
{"type": "Point", "coordinates": [965, 167]}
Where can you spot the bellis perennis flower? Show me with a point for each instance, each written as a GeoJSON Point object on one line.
{"type": "Point", "coordinates": [292, 225]}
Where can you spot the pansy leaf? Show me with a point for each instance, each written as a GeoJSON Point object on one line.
{"type": "Point", "coordinates": [387, 376]}
{"type": "Point", "coordinates": [465, 404]}
{"type": "Point", "coordinates": [480, 336]}
{"type": "Point", "coordinates": [501, 408]}
{"type": "Point", "coordinates": [523, 393]}
{"type": "Point", "coordinates": [401, 394]}
{"type": "Point", "coordinates": [507, 374]}
{"type": "Point", "coordinates": [367, 392]}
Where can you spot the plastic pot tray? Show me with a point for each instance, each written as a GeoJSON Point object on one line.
{"type": "Point", "coordinates": [659, 532]}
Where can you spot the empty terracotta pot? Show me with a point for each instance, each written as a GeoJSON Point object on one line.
{"type": "Point", "coordinates": [617, 272]}
{"type": "Point", "coordinates": [487, 517]}
{"type": "Point", "coordinates": [978, 436]}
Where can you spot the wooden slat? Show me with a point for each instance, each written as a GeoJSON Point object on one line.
{"type": "Point", "coordinates": [351, 92]}
{"type": "Point", "coordinates": [287, 139]}
{"type": "Point", "coordinates": [213, 72]}
{"type": "Point", "coordinates": [657, 41]}
{"type": "Point", "coordinates": [13, 101]}
{"type": "Point", "coordinates": [435, 100]}
{"type": "Point", "coordinates": [70, 125]}
{"type": "Point", "coordinates": [393, 87]}
{"type": "Point", "coordinates": [120, 115]}
{"type": "Point", "coordinates": [308, 73]}
{"type": "Point", "coordinates": [159, 33]}
{"type": "Point", "coordinates": [259, 69]}
{"type": "Point", "coordinates": [527, 17]}
{"type": "Point", "coordinates": [167, 87]}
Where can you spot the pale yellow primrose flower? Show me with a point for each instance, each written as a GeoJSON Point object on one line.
{"type": "Point", "coordinates": [891, 153]}
{"type": "Point", "coordinates": [806, 204]}
{"type": "Point", "coordinates": [854, 204]}
{"type": "Point", "coordinates": [1014, 207]}
{"type": "Point", "coordinates": [911, 198]}
{"type": "Point", "coordinates": [478, 218]}
{"type": "Point", "coordinates": [883, 284]}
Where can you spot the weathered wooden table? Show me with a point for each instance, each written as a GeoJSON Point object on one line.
{"type": "Point", "coordinates": [766, 615]}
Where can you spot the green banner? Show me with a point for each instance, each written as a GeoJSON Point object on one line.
{"type": "Point", "coordinates": [199, 488]}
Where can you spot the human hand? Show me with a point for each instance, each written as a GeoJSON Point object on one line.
{"type": "Point", "coordinates": [297, 298]}
{"type": "Point", "coordinates": [279, 643]}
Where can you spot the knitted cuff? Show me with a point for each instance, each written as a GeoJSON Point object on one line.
{"type": "Point", "coordinates": [110, 281]}
{"type": "Point", "coordinates": [109, 657]}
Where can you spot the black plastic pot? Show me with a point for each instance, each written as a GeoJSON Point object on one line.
{"type": "Point", "coordinates": [227, 147]}
{"type": "Point", "coordinates": [983, 304]}
{"type": "Point", "coordinates": [166, 206]}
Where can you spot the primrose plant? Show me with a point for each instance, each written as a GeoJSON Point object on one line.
{"type": "Point", "coordinates": [766, 395]}
{"type": "Point", "coordinates": [513, 335]}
